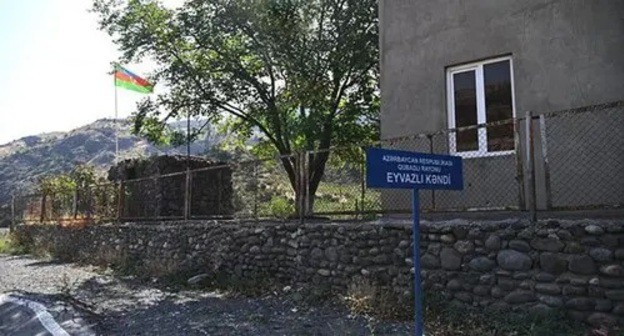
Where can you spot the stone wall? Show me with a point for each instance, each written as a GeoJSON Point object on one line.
{"type": "Point", "coordinates": [570, 265]}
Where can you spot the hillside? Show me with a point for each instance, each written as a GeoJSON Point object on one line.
{"type": "Point", "coordinates": [25, 160]}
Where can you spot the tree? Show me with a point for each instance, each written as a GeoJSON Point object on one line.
{"type": "Point", "coordinates": [300, 74]}
{"type": "Point", "coordinates": [61, 187]}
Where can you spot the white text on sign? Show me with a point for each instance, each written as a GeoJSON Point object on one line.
{"type": "Point", "coordinates": [392, 177]}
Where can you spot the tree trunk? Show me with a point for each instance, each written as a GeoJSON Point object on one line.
{"type": "Point", "coordinates": [310, 205]}
{"type": "Point", "coordinates": [316, 171]}
{"type": "Point", "coordinates": [307, 183]}
{"type": "Point", "coordinates": [291, 166]}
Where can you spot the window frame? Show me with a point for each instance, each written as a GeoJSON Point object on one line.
{"type": "Point", "coordinates": [477, 67]}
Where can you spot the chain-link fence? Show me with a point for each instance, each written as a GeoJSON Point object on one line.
{"type": "Point", "coordinates": [564, 160]}
{"type": "Point", "coordinates": [582, 158]}
{"type": "Point", "coordinates": [342, 189]}
{"type": "Point", "coordinates": [492, 175]}
{"type": "Point", "coordinates": [246, 190]}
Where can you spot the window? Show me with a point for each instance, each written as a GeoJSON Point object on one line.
{"type": "Point", "coordinates": [481, 93]}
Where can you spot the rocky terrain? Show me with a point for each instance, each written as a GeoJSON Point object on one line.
{"type": "Point", "coordinates": [24, 161]}
{"type": "Point", "coordinates": [113, 305]}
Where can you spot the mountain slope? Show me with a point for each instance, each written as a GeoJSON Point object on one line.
{"type": "Point", "coordinates": [24, 161]}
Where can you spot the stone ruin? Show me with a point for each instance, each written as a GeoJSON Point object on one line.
{"type": "Point", "coordinates": [149, 191]}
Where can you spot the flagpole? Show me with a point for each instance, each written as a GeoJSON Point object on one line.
{"type": "Point", "coordinates": [116, 120]}
{"type": "Point", "coordinates": [188, 138]}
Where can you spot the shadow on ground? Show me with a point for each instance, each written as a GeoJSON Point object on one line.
{"type": "Point", "coordinates": [129, 308]}
{"type": "Point", "coordinates": [18, 319]}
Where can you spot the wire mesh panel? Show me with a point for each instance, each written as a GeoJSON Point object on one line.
{"type": "Point", "coordinates": [560, 160]}
{"type": "Point", "coordinates": [584, 152]}
{"type": "Point", "coordinates": [58, 207]}
{"type": "Point", "coordinates": [341, 190]}
{"type": "Point", "coordinates": [170, 196]}
{"type": "Point", "coordinates": [211, 194]}
{"type": "Point", "coordinates": [138, 199]}
{"type": "Point", "coordinates": [103, 203]}
{"type": "Point", "coordinates": [5, 214]}
{"type": "Point", "coordinates": [277, 180]}
{"type": "Point", "coordinates": [245, 177]}
{"type": "Point", "coordinates": [28, 209]}
{"type": "Point", "coordinates": [491, 168]}
{"type": "Point", "coordinates": [86, 202]}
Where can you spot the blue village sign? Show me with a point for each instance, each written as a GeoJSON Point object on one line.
{"type": "Point", "coordinates": [393, 169]}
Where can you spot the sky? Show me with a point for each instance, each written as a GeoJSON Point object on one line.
{"type": "Point", "coordinates": [54, 68]}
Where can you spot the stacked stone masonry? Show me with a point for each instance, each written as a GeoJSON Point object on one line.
{"type": "Point", "coordinates": [576, 266]}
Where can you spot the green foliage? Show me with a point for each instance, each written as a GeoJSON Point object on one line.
{"type": "Point", "coordinates": [292, 75]}
{"type": "Point", "coordinates": [61, 184]}
{"type": "Point", "coordinates": [280, 207]}
{"type": "Point", "coordinates": [83, 176]}
{"type": "Point", "coordinates": [10, 244]}
{"type": "Point", "coordinates": [80, 178]}
{"type": "Point", "coordinates": [59, 190]}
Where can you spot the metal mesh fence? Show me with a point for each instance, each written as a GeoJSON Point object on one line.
{"type": "Point", "coordinates": [138, 200]}
{"type": "Point", "coordinates": [244, 190]}
{"type": "Point", "coordinates": [492, 174]}
{"type": "Point", "coordinates": [211, 191]}
{"type": "Point", "coordinates": [275, 189]}
{"type": "Point", "coordinates": [559, 160]}
{"type": "Point", "coordinates": [491, 166]}
{"type": "Point", "coordinates": [97, 203]}
{"type": "Point", "coordinates": [583, 157]}
{"type": "Point", "coordinates": [27, 209]}
{"type": "Point", "coordinates": [342, 190]}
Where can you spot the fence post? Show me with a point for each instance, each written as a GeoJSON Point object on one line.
{"type": "Point", "coordinates": [159, 196]}
{"type": "Point", "coordinates": [121, 201]}
{"type": "Point", "coordinates": [530, 165]}
{"type": "Point", "coordinates": [219, 192]}
{"type": "Point", "coordinates": [306, 184]}
{"type": "Point", "coordinates": [433, 193]}
{"type": "Point", "coordinates": [255, 190]}
{"type": "Point", "coordinates": [42, 209]}
{"type": "Point", "coordinates": [12, 227]}
{"type": "Point", "coordinates": [187, 195]}
{"type": "Point", "coordinates": [75, 204]}
{"type": "Point", "coordinates": [362, 183]}
{"type": "Point", "coordinates": [300, 157]}
{"type": "Point", "coordinates": [542, 129]}
{"type": "Point", "coordinates": [519, 166]}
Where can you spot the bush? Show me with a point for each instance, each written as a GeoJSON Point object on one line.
{"type": "Point", "coordinates": [10, 244]}
{"type": "Point", "coordinates": [281, 207]}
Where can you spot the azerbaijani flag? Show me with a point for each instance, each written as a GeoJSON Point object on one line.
{"type": "Point", "coordinates": [130, 81]}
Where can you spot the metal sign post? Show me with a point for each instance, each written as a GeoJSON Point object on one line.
{"type": "Point", "coordinates": [418, 299]}
{"type": "Point", "coordinates": [392, 169]}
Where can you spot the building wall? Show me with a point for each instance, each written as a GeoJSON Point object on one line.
{"type": "Point", "coordinates": [576, 266]}
{"type": "Point", "coordinates": [566, 54]}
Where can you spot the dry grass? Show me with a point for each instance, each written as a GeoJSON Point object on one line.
{"type": "Point", "coordinates": [108, 257]}
{"type": "Point", "coordinates": [444, 318]}
{"type": "Point", "coordinates": [158, 268]}
{"type": "Point", "coordinates": [367, 299]}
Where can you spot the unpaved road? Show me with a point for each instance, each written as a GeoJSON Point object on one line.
{"type": "Point", "coordinates": [84, 302]}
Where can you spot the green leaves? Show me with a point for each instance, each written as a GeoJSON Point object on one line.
{"type": "Point", "coordinates": [299, 74]}
{"type": "Point", "coordinates": [80, 178]}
